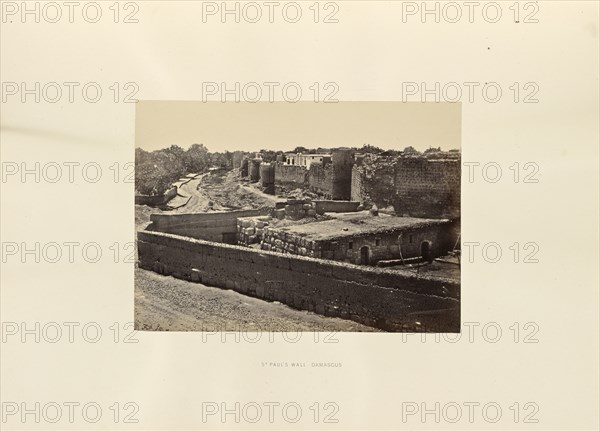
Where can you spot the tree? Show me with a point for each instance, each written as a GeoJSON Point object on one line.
{"type": "Point", "coordinates": [196, 159]}
{"type": "Point", "coordinates": [368, 148]}
{"type": "Point", "coordinates": [410, 150]}
{"type": "Point", "coordinates": [269, 155]}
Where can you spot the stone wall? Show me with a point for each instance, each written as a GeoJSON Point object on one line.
{"type": "Point", "coordinates": [372, 296]}
{"type": "Point", "coordinates": [373, 182]}
{"type": "Point", "coordinates": [216, 226]}
{"type": "Point", "coordinates": [324, 206]}
{"type": "Point", "coordinates": [428, 187]}
{"type": "Point", "coordinates": [251, 229]}
{"type": "Point", "coordinates": [414, 186]}
{"type": "Point", "coordinates": [289, 177]}
{"type": "Point", "coordinates": [320, 179]}
{"type": "Point", "coordinates": [381, 246]}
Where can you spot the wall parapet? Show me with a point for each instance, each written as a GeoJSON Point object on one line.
{"type": "Point", "coordinates": [156, 200]}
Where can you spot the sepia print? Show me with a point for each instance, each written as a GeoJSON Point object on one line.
{"type": "Point", "coordinates": [360, 237]}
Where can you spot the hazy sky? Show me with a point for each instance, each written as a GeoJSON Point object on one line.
{"type": "Point", "coordinates": [283, 126]}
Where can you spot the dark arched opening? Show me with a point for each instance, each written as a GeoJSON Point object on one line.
{"type": "Point", "coordinates": [364, 255]}
{"type": "Point", "coordinates": [426, 251]}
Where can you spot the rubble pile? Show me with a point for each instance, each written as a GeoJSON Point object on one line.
{"type": "Point", "coordinates": [251, 229]}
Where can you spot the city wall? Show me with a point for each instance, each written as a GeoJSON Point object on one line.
{"type": "Point", "coordinates": [320, 179]}
{"type": "Point", "coordinates": [428, 187]}
{"type": "Point", "coordinates": [417, 187]}
{"type": "Point", "coordinates": [373, 296]}
{"type": "Point", "coordinates": [289, 177]}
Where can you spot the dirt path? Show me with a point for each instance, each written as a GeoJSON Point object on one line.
{"type": "Point", "coordinates": [226, 190]}
{"type": "Point", "coordinates": [166, 303]}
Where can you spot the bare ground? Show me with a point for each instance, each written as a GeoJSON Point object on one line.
{"type": "Point", "coordinates": [226, 192]}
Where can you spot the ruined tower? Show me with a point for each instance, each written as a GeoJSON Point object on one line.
{"type": "Point", "coordinates": [244, 168]}
{"type": "Point", "coordinates": [267, 177]}
{"type": "Point", "coordinates": [342, 161]}
{"type": "Point", "coordinates": [254, 169]}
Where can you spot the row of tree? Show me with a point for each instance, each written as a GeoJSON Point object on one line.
{"type": "Point", "coordinates": [368, 149]}
{"type": "Point", "coordinates": [156, 171]}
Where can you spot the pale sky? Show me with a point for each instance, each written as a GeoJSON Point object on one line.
{"type": "Point", "coordinates": [284, 126]}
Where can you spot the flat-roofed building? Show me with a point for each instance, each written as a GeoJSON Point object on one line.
{"type": "Point", "coordinates": [306, 160]}
{"type": "Point", "coordinates": [362, 238]}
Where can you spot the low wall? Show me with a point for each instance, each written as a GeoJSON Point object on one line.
{"type": "Point", "coordinates": [216, 226]}
{"type": "Point", "coordinates": [376, 297]}
{"type": "Point", "coordinates": [324, 206]}
{"type": "Point", "coordinates": [156, 200]}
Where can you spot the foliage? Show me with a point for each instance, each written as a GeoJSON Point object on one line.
{"type": "Point", "coordinates": [156, 171]}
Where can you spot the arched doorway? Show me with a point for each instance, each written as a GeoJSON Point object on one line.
{"type": "Point", "coordinates": [364, 255]}
{"type": "Point", "coordinates": [426, 251]}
